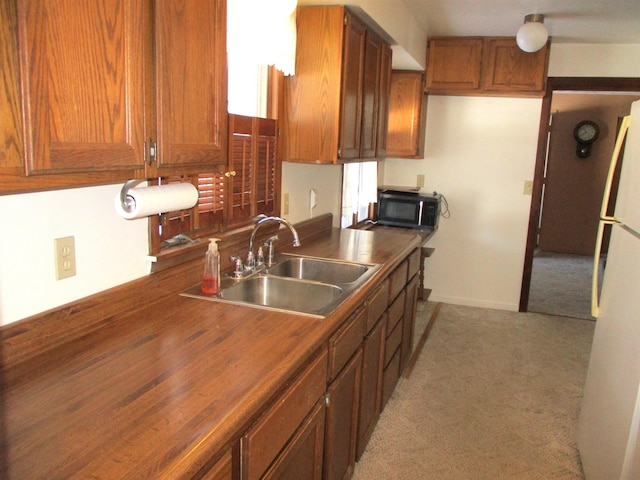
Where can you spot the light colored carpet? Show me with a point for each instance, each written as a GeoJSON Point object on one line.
{"type": "Point", "coordinates": [493, 395]}
{"type": "Point", "coordinates": [561, 284]}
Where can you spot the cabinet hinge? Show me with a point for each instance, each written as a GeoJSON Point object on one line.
{"type": "Point", "coordinates": [327, 399]}
{"type": "Point", "coordinates": [346, 19]}
{"type": "Point", "coordinates": [339, 153]}
{"type": "Point", "coordinates": [150, 150]}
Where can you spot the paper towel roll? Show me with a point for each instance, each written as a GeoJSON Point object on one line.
{"type": "Point", "coordinates": [158, 199]}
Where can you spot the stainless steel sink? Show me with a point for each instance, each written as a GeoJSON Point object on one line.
{"type": "Point", "coordinates": [284, 294]}
{"type": "Point", "coordinates": [319, 270]}
{"type": "Point", "coordinates": [303, 285]}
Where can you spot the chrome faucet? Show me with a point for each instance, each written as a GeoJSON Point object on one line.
{"type": "Point", "coordinates": [261, 220]}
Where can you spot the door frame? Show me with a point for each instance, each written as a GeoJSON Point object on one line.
{"type": "Point", "coordinates": [558, 84]}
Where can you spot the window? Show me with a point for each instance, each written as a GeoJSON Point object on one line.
{"type": "Point", "coordinates": [359, 189]}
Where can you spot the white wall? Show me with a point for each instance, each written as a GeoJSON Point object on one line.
{"type": "Point", "coordinates": [582, 60]}
{"type": "Point", "coordinates": [479, 151]}
{"type": "Point", "coordinates": [298, 180]}
{"type": "Point", "coordinates": [109, 250]}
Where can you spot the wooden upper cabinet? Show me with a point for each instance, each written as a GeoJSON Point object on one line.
{"type": "Point", "coordinates": [383, 101]}
{"type": "Point", "coordinates": [509, 69]}
{"type": "Point", "coordinates": [489, 66]}
{"type": "Point", "coordinates": [370, 94]}
{"type": "Point", "coordinates": [407, 115]}
{"type": "Point", "coordinates": [454, 64]}
{"type": "Point", "coordinates": [82, 85]}
{"type": "Point", "coordinates": [191, 85]}
{"type": "Point", "coordinates": [332, 103]}
{"type": "Point", "coordinates": [11, 140]}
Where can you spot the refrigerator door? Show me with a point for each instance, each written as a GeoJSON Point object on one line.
{"type": "Point", "coordinates": [608, 423]}
{"type": "Point", "coordinates": [628, 200]}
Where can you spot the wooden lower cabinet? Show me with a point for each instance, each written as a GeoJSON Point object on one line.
{"type": "Point", "coordinates": [302, 458]}
{"type": "Point", "coordinates": [221, 470]}
{"type": "Point", "coordinates": [269, 441]}
{"type": "Point", "coordinates": [371, 385]}
{"type": "Point", "coordinates": [341, 426]}
{"type": "Point", "coordinates": [409, 321]}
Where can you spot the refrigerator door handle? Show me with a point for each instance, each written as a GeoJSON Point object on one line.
{"type": "Point", "coordinates": [624, 126]}
{"type": "Point", "coordinates": [604, 219]}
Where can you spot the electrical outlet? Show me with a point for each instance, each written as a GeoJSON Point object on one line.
{"type": "Point", "coordinates": [65, 257]}
{"type": "Point", "coordinates": [528, 187]}
{"type": "Point", "coordinates": [420, 181]}
{"type": "Point", "coordinates": [285, 201]}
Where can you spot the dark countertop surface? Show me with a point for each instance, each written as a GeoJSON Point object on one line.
{"type": "Point", "coordinates": [156, 393]}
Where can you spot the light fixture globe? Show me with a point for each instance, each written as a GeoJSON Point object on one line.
{"type": "Point", "coordinates": [533, 35]}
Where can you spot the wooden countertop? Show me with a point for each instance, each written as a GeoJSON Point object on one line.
{"type": "Point", "coordinates": [158, 392]}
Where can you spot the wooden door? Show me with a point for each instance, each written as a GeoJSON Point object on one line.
{"type": "Point", "coordinates": [191, 79]}
{"type": "Point", "coordinates": [383, 101]}
{"type": "Point", "coordinates": [11, 139]}
{"type": "Point", "coordinates": [371, 386]}
{"type": "Point", "coordinates": [454, 64]}
{"type": "Point", "coordinates": [407, 115]}
{"type": "Point", "coordinates": [342, 421]}
{"type": "Point", "coordinates": [370, 94]}
{"type": "Point", "coordinates": [352, 76]}
{"type": "Point", "coordinates": [82, 85]}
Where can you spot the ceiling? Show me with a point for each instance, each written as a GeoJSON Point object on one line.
{"type": "Point", "coordinates": [568, 21]}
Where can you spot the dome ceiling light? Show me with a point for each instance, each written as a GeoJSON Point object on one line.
{"type": "Point", "coordinates": [533, 35]}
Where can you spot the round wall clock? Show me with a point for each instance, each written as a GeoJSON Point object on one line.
{"type": "Point", "coordinates": [585, 133]}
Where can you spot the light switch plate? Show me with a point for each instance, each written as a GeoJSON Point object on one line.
{"type": "Point", "coordinates": [420, 181]}
{"type": "Point", "coordinates": [65, 257]}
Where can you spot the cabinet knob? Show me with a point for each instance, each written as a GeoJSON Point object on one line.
{"type": "Point", "coordinates": [232, 173]}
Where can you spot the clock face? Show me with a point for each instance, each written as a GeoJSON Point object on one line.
{"type": "Point", "coordinates": [586, 132]}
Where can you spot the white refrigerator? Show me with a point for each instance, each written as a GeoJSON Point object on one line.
{"type": "Point", "coordinates": [609, 422]}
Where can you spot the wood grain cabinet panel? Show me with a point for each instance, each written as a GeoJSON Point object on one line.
{"type": "Point", "coordinates": [341, 426]}
{"type": "Point", "coordinates": [409, 321]}
{"type": "Point", "coordinates": [509, 69]}
{"type": "Point", "coordinates": [454, 64]}
{"type": "Point", "coordinates": [11, 139]}
{"type": "Point", "coordinates": [82, 85]}
{"type": "Point", "coordinates": [333, 102]}
{"type": "Point", "coordinates": [488, 66]}
{"type": "Point", "coordinates": [371, 386]}
{"type": "Point", "coordinates": [261, 445]}
{"type": "Point", "coordinates": [191, 85]}
{"type": "Point", "coordinates": [110, 91]}
{"type": "Point", "coordinates": [407, 115]}
{"type": "Point", "coordinates": [221, 470]}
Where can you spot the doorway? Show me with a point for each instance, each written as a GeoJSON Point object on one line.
{"type": "Point", "coordinates": [581, 242]}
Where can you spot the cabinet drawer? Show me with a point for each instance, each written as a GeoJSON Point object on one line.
{"type": "Point", "coordinates": [390, 378]}
{"type": "Point", "coordinates": [376, 305]}
{"type": "Point", "coordinates": [393, 341]}
{"type": "Point", "coordinates": [396, 311]}
{"type": "Point", "coordinates": [397, 280]}
{"type": "Point", "coordinates": [344, 342]}
{"type": "Point", "coordinates": [261, 444]}
{"type": "Point", "coordinates": [413, 261]}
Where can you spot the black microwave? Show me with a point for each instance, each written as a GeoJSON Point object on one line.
{"type": "Point", "coordinates": [408, 209]}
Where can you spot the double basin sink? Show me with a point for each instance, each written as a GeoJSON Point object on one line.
{"type": "Point", "coordinates": [305, 285]}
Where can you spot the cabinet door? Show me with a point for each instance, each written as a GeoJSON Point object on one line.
{"type": "Point", "coordinates": [371, 386]}
{"type": "Point", "coordinates": [407, 115]}
{"type": "Point", "coordinates": [221, 470]}
{"type": "Point", "coordinates": [509, 69]}
{"type": "Point", "coordinates": [82, 85]}
{"type": "Point", "coordinates": [342, 421]}
{"type": "Point", "coordinates": [352, 74]}
{"type": "Point", "coordinates": [409, 321]}
{"type": "Point", "coordinates": [11, 140]}
{"type": "Point", "coordinates": [383, 103]}
{"type": "Point", "coordinates": [370, 94]}
{"type": "Point", "coordinates": [302, 458]}
{"type": "Point", "coordinates": [191, 80]}
{"type": "Point", "coordinates": [454, 64]}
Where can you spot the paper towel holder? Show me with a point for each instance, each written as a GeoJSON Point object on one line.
{"type": "Point", "coordinates": [128, 203]}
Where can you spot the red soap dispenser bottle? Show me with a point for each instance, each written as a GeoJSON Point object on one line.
{"type": "Point", "coordinates": [211, 276]}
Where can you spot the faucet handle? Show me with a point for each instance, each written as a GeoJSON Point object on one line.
{"type": "Point", "coordinates": [270, 250]}
{"type": "Point", "coordinates": [238, 267]}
